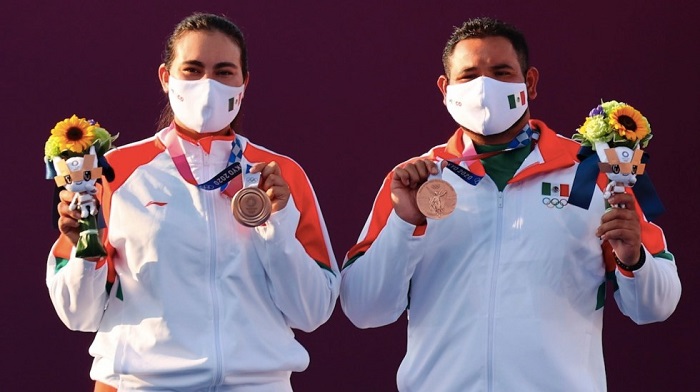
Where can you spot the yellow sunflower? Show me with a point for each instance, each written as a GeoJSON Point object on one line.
{"type": "Point", "coordinates": [74, 134]}
{"type": "Point", "coordinates": [629, 123]}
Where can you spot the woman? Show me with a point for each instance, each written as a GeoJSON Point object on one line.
{"type": "Point", "coordinates": [188, 297]}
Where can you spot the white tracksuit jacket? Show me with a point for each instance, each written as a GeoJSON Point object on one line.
{"type": "Point", "coordinates": [197, 301]}
{"type": "Point", "coordinates": [505, 294]}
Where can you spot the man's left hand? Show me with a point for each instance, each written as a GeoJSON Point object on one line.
{"type": "Point", "coordinates": [621, 227]}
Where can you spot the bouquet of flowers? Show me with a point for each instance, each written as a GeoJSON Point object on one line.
{"type": "Point", "coordinates": [74, 159]}
{"type": "Point", "coordinates": [616, 124]}
{"type": "Point", "coordinates": [617, 132]}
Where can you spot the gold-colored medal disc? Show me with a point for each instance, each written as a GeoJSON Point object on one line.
{"type": "Point", "coordinates": [436, 198]}
{"type": "Point", "coordinates": [251, 207]}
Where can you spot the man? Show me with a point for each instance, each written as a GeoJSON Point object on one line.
{"type": "Point", "coordinates": [506, 292]}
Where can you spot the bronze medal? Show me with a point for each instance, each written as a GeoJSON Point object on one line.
{"type": "Point", "coordinates": [251, 207]}
{"type": "Point", "coordinates": [436, 199]}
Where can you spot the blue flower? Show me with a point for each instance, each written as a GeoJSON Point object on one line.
{"type": "Point", "coordinates": [597, 111]}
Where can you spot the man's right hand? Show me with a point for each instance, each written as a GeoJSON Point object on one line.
{"type": "Point", "coordinates": [404, 186]}
{"type": "Point", "coordinates": [67, 219]}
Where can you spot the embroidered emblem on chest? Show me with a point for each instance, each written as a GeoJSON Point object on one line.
{"type": "Point", "coordinates": [555, 195]}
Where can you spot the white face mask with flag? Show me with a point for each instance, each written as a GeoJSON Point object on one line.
{"type": "Point", "coordinates": [485, 105]}
{"type": "Point", "coordinates": [204, 105]}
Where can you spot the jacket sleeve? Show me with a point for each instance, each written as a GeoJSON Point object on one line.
{"type": "Point", "coordinates": [77, 287]}
{"type": "Point", "coordinates": [296, 253]}
{"type": "Point", "coordinates": [377, 271]}
{"type": "Point", "coordinates": [651, 293]}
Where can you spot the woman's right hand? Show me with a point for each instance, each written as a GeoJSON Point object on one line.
{"type": "Point", "coordinates": [67, 219]}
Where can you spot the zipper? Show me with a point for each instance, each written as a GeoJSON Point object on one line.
{"type": "Point", "coordinates": [212, 258]}
{"type": "Point", "coordinates": [492, 291]}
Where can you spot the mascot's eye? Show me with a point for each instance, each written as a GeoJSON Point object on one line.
{"type": "Point", "coordinates": [68, 179]}
{"type": "Point", "coordinates": [615, 169]}
{"type": "Point", "coordinates": [87, 175]}
{"type": "Point", "coordinates": [634, 169]}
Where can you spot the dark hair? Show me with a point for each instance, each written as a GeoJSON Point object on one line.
{"type": "Point", "coordinates": [199, 21]}
{"type": "Point", "coordinates": [484, 27]}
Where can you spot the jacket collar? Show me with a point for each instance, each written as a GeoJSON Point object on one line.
{"type": "Point", "coordinates": [550, 153]}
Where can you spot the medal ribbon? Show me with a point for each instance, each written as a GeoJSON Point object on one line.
{"type": "Point", "coordinates": [523, 139]}
{"type": "Point", "coordinates": [251, 179]}
{"type": "Point", "coordinates": [220, 181]}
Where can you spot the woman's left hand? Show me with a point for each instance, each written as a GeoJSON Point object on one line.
{"type": "Point", "coordinates": [272, 183]}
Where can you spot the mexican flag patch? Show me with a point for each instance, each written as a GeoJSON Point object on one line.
{"type": "Point", "coordinates": [515, 100]}
{"type": "Point", "coordinates": [559, 190]}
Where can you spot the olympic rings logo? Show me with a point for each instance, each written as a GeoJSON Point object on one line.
{"type": "Point", "coordinates": [553, 202]}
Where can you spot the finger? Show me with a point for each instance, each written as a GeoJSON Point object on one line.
{"type": "Point", "coordinates": [65, 211]}
{"type": "Point", "coordinates": [422, 169]}
{"type": "Point", "coordinates": [426, 167]}
{"type": "Point", "coordinates": [401, 175]}
{"type": "Point", "coordinates": [622, 235]}
{"type": "Point", "coordinates": [258, 167]}
{"type": "Point", "coordinates": [66, 195]}
{"type": "Point", "coordinates": [624, 199]}
{"type": "Point", "coordinates": [622, 214]}
{"type": "Point", "coordinates": [274, 180]}
{"type": "Point", "coordinates": [413, 175]}
{"type": "Point", "coordinates": [278, 192]}
{"type": "Point", "coordinates": [431, 166]}
{"type": "Point", "coordinates": [271, 168]}
{"type": "Point", "coordinates": [66, 224]}
{"type": "Point", "coordinates": [69, 228]}
{"type": "Point", "coordinates": [629, 226]}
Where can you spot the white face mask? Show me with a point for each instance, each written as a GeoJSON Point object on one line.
{"type": "Point", "coordinates": [204, 105]}
{"type": "Point", "coordinates": [486, 106]}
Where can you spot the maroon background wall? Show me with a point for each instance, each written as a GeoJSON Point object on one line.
{"type": "Point", "coordinates": [348, 90]}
